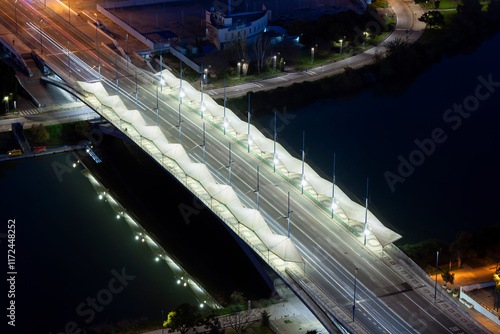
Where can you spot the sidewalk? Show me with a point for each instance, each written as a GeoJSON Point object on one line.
{"type": "Point", "coordinates": [290, 316]}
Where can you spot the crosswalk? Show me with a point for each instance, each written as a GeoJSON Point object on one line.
{"type": "Point", "coordinates": [28, 112]}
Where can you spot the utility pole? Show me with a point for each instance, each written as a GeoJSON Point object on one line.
{"type": "Point", "coordinates": [230, 164]}
{"type": "Point", "coordinates": [69, 63]}
{"type": "Point", "coordinates": [435, 283]}
{"type": "Point", "coordinates": [366, 212]}
{"type": "Point", "coordinates": [355, 283]}
{"type": "Point", "coordinates": [204, 144]}
{"type": "Point", "coordinates": [288, 215]}
{"type": "Point", "coordinates": [15, 9]}
{"type": "Point", "coordinates": [258, 189]}
{"type": "Point", "coordinates": [275, 160]}
{"type": "Point", "coordinates": [157, 108]}
{"type": "Point", "coordinates": [117, 85]}
{"type": "Point", "coordinates": [180, 125]}
{"type": "Point", "coordinates": [224, 122]}
{"type": "Point", "coordinates": [303, 158]}
{"type": "Point", "coordinates": [249, 140]}
{"type": "Point", "coordinates": [161, 71]}
{"type": "Point", "coordinates": [334, 205]}
{"type": "Point", "coordinates": [202, 107]}
{"type": "Point", "coordinates": [136, 92]}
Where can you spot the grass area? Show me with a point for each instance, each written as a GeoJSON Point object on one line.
{"type": "Point", "coordinates": [444, 4]}
{"type": "Point", "coordinates": [436, 33]}
{"type": "Point", "coordinates": [59, 135]}
{"type": "Point", "coordinates": [379, 4]}
{"type": "Point", "coordinates": [230, 80]}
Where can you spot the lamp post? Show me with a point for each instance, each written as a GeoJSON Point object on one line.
{"type": "Point", "coordinates": [249, 140]}
{"type": "Point", "coordinates": [239, 70]}
{"type": "Point", "coordinates": [224, 124]}
{"type": "Point", "coordinates": [275, 159]}
{"type": "Point", "coordinates": [161, 321]}
{"type": "Point", "coordinates": [340, 46]}
{"type": "Point", "coordinates": [274, 63]}
{"type": "Point", "coordinates": [6, 100]}
{"type": "Point", "coordinates": [303, 158]}
{"type": "Point", "coordinates": [366, 213]}
{"type": "Point", "coordinates": [202, 107]}
{"type": "Point", "coordinates": [354, 301]}
{"type": "Point", "coordinates": [435, 284]}
{"type": "Point", "coordinates": [15, 9]}
{"type": "Point", "coordinates": [69, 63]}
{"type": "Point", "coordinates": [41, 34]}
{"type": "Point", "coordinates": [334, 205]}
{"type": "Point", "coordinates": [364, 38]}
{"type": "Point", "coordinates": [312, 55]}
{"type": "Point", "coordinates": [96, 24]}
{"type": "Point", "coordinates": [127, 50]}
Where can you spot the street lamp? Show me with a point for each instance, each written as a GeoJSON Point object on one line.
{"type": "Point", "coordinates": [15, 9]}
{"type": "Point", "coordinates": [96, 24]}
{"type": "Point", "coordinates": [340, 46]}
{"type": "Point", "coordinates": [365, 34]}
{"type": "Point", "coordinates": [41, 34]}
{"type": "Point", "coordinates": [354, 303]}
{"type": "Point", "coordinates": [6, 100]}
{"type": "Point", "coordinates": [274, 63]}
{"type": "Point", "coordinates": [312, 55]}
{"type": "Point", "coordinates": [239, 69]}
{"type": "Point", "coordinates": [161, 321]}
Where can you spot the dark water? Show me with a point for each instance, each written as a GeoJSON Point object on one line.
{"type": "Point", "coordinates": [70, 245]}
{"type": "Point", "coordinates": [453, 188]}
{"type": "Point", "coordinates": [68, 242]}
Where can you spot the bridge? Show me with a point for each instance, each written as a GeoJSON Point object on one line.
{"type": "Point", "coordinates": [329, 249]}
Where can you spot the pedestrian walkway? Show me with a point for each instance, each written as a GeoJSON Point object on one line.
{"type": "Point", "coordinates": [28, 112]}
{"type": "Point", "coordinates": [287, 316]}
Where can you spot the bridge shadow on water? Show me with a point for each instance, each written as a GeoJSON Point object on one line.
{"type": "Point", "coordinates": [190, 233]}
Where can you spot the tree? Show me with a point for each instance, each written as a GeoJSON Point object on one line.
{"type": "Point", "coordinates": [39, 134]}
{"type": "Point", "coordinates": [448, 277]}
{"type": "Point", "coordinates": [239, 46]}
{"type": "Point", "coordinates": [242, 317]}
{"type": "Point", "coordinates": [432, 18]}
{"type": "Point", "coordinates": [82, 128]}
{"type": "Point", "coordinates": [183, 318]}
{"type": "Point", "coordinates": [240, 321]}
{"type": "Point", "coordinates": [212, 323]}
{"type": "Point", "coordinates": [265, 318]}
{"type": "Point", "coordinates": [261, 48]}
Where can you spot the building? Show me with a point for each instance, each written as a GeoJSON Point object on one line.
{"type": "Point", "coordinates": [221, 28]}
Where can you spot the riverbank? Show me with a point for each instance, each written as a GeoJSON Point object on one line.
{"type": "Point", "coordinates": [403, 64]}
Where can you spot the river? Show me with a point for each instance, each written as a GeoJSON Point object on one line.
{"type": "Point", "coordinates": [453, 185]}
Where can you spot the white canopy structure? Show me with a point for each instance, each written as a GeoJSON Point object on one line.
{"type": "Point", "coordinates": [252, 219]}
